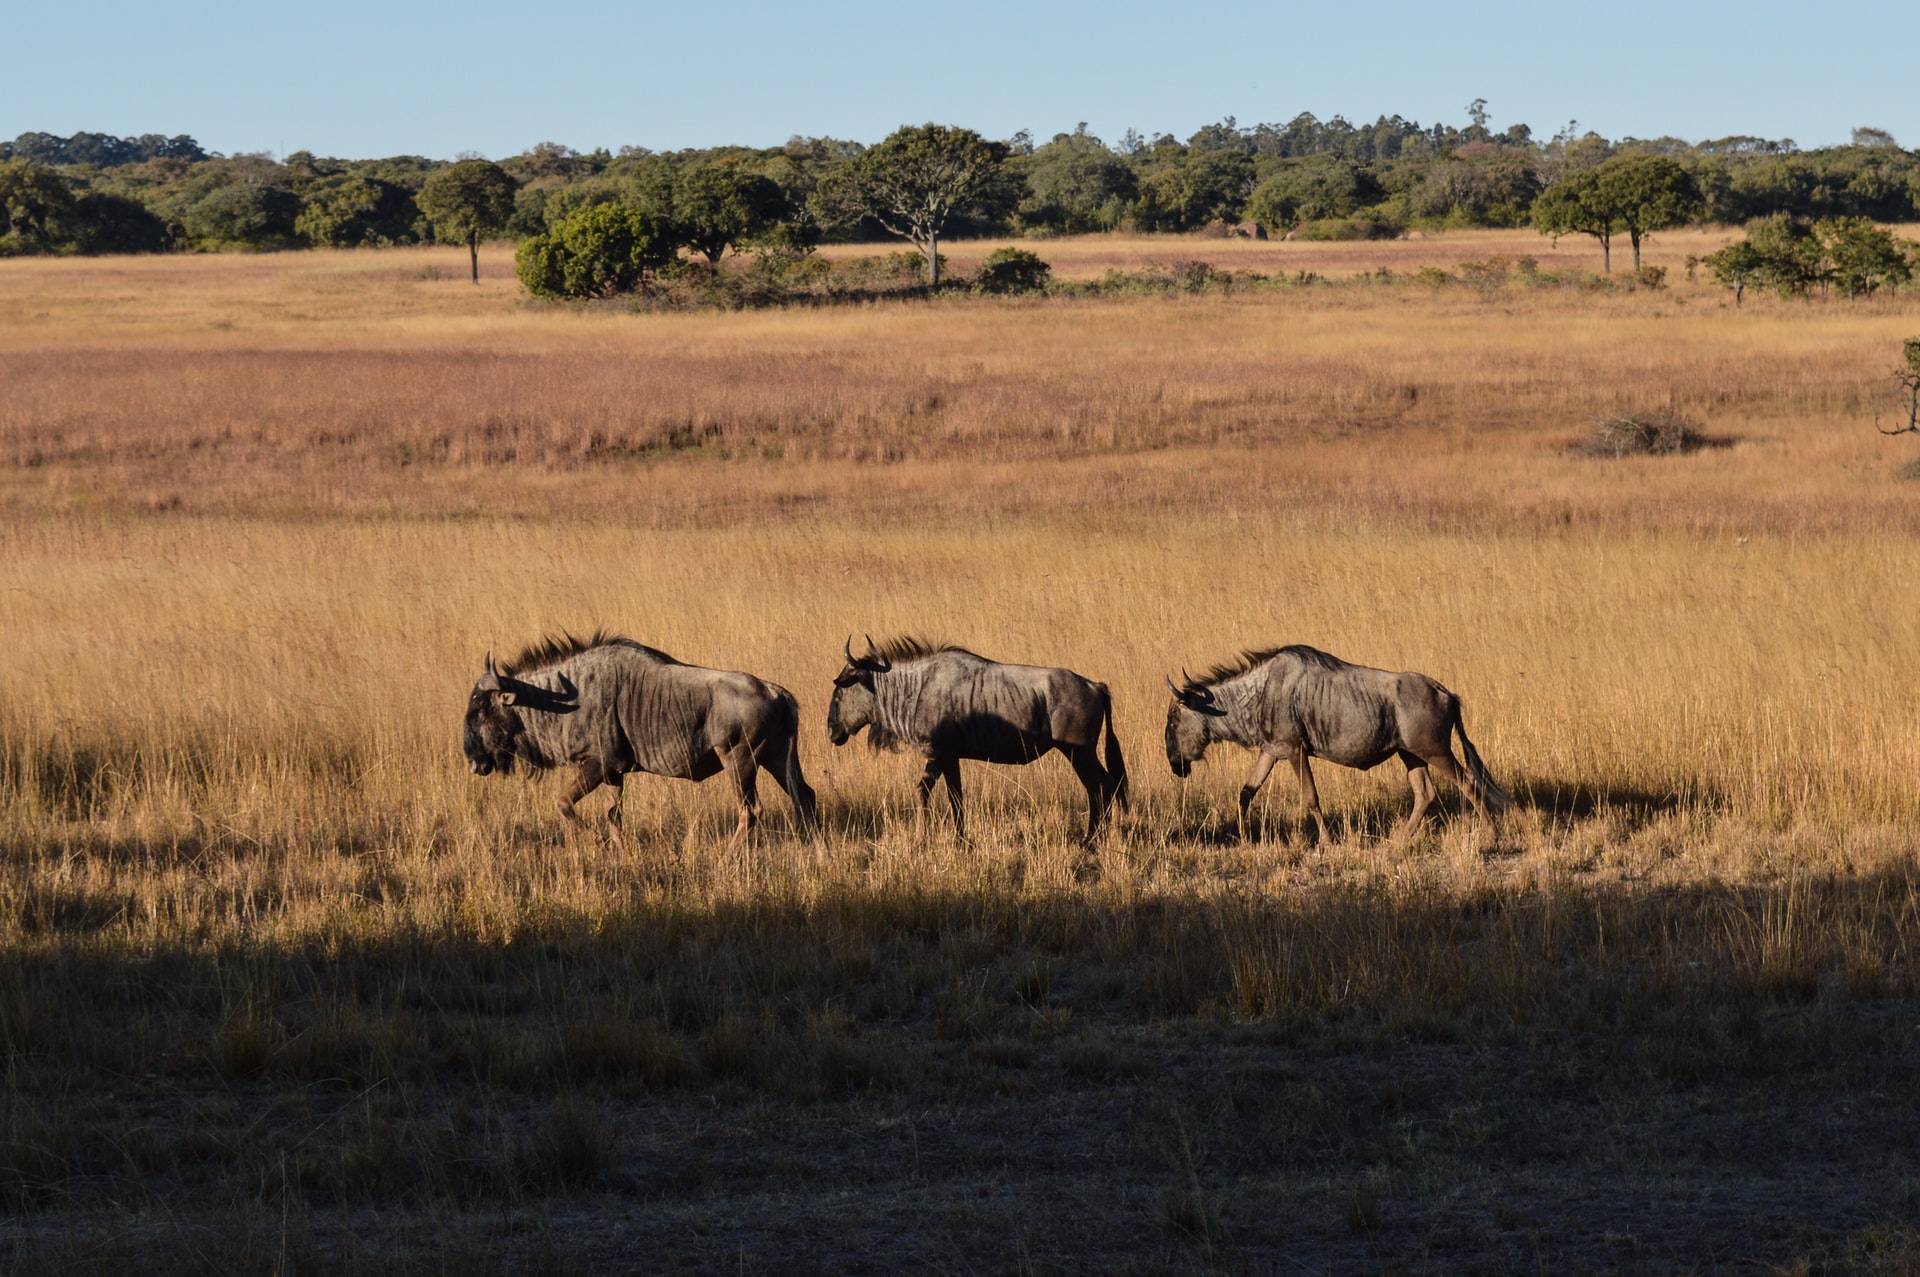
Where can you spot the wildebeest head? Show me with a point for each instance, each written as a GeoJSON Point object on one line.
{"type": "Point", "coordinates": [492, 733]}
{"type": "Point", "coordinates": [854, 704]}
{"type": "Point", "coordinates": [1189, 725]}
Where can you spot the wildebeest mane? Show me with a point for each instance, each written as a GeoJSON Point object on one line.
{"type": "Point", "coordinates": [1260, 656]}
{"type": "Point", "coordinates": [907, 647]}
{"type": "Point", "coordinates": [558, 647]}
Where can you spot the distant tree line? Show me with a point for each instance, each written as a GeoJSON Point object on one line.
{"type": "Point", "coordinates": [94, 193]}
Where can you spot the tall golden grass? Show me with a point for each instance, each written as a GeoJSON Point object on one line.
{"type": "Point", "coordinates": [264, 518]}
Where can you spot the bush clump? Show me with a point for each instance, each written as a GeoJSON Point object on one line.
{"type": "Point", "coordinates": [1360, 226]}
{"type": "Point", "coordinates": [596, 251]}
{"type": "Point", "coordinates": [1012, 270]}
{"type": "Point", "coordinates": [1659, 434]}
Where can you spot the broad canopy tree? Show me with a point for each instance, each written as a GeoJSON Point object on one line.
{"type": "Point", "coordinates": [349, 210]}
{"type": "Point", "coordinates": [466, 201]}
{"type": "Point", "coordinates": [1652, 193]}
{"type": "Point", "coordinates": [1638, 194]}
{"type": "Point", "coordinates": [718, 208]}
{"type": "Point", "coordinates": [1793, 257]}
{"type": "Point", "coordinates": [1076, 184]}
{"type": "Point", "coordinates": [32, 200]}
{"type": "Point", "coordinates": [913, 182]}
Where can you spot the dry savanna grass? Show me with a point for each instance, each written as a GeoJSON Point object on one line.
{"type": "Point", "coordinates": [283, 988]}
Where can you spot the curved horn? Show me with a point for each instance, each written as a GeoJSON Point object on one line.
{"type": "Point", "coordinates": [851, 663]}
{"type": "Point", "coordinates": [490, 669]}
{"type": "Point", "coordinates": [1202, 695]}
{"type": "Point", "coordinates": [874, 660]}
{"type": "Point", "coordinates": [1171, 688]}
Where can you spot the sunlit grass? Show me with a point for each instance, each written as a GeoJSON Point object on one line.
{"type": "Point", "coordinates": [264, 517]}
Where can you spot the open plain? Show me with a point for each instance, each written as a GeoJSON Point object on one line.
{"type": "Point", "coordinates": [284, 989]}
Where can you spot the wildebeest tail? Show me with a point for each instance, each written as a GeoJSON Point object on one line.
{"type": "Point", "coordinates": [1116, 761]}
{"type": "Point", "coordinates": [791, 778]}
{"type": "Point", "coordinates": [1496, 798]}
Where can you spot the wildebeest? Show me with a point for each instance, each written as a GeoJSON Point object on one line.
{"type": "Point", "coordinates": [609, 706]}
{"type": "Point", "coordinates": [947, 704]}
{"type": "Point", "coordinates": [1298, 703]}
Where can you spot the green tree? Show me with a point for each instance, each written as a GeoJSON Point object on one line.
{"type": "Point", "coordinates": [1186, 193]}
{"type": "Point", "coordinates": [599, 250]}
{"type": "Point", "coordinates": [1075, 184]}
{"type": "Point", "coordinates": [1739, 267]}
{"type": "Point", "coordinates": [1311, 190]}
{"type": "Point", "coordinates": [1579, 204]}
{"type": "Point", "coordinates": [466, 201]}
{"type": "Point", "coordinates": [33, 199]}
{"type": "Point", "coordinates": [1638, 194]}
{"type": "Point", "coordinates": [243, 215]}
{"type": "Point", "coordinates": [562, 202]}
{"type": "Point", "coordinates": [1860, 258]}
{"type": "Point", "coordinates": [349, 210]}
{"type": "Point", "coordinates": [1779, 252]}
{"type": "Point", "coordinates": [718, 208]}
{"type": "Point", "coordinates": [1480, 184]}
{"type": "Point", "coordinates": [101, 222]}
{"type": "Point", "coordinates": [1908, 379]}
{"type": "Point", "coordinates": [913, 182]}
{"type": "Point", "coordinates": [1650, 193]}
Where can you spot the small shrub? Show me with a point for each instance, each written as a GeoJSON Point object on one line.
{"type": "Point", "coordinates": [1432, 277]}
{"type": "Point", "coordinates": [1652, 278]}
{"type": "Point", "coordinates": [1194, 276]}
{"type": "Point", "coordinates": [1485, 278]}
{"type": "Point", "coordinates": [911, 264]}
{"type": "Point", "coordinates": [1012, 270]}
{"type": "Point", "coordinates": [1658, 434]}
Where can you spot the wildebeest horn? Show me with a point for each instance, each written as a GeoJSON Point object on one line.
{"type": "Point", "coordinates": [851, 663]}
{"type": "Point", "coordinates": [490, 669]}
{"type": "Point", "coordinates": [1176, 691]}
{"type": "Point", "coordinates": [873, 659]}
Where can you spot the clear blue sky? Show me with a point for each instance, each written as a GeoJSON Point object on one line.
{"type": "Point", "coordinates": [357, 79]}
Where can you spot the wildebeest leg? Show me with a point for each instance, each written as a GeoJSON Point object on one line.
{"type": "Point", "coordinates": [786, 773]}
{"type": "Point", "coordinates": [1086, 765]}
{"type": "Point", "coordinates": [741, 769]}
{"type": "Point", "coordinates": [614, 782]}
{"type": "Point", "coordinates": [1444, 764]}
{"type": "Point", "coordinates": [929, 775]}
{"type": "Point", "coordinates": [950, 768]}
{"type": "Point", "coordinates": [1262, 764]}
{"type": "Point", "coordinates": [1421, 781]}
{"type": "Point", "coordinates": [588, 780]}
{"type": "Point", "coordinates": [1303, 768]}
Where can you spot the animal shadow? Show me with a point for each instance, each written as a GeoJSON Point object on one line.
{"type": "Point", "coordinates": [1566, 803]}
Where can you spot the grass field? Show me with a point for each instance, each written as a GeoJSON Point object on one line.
{"type": "Point", "coordinates": [284, 989]}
